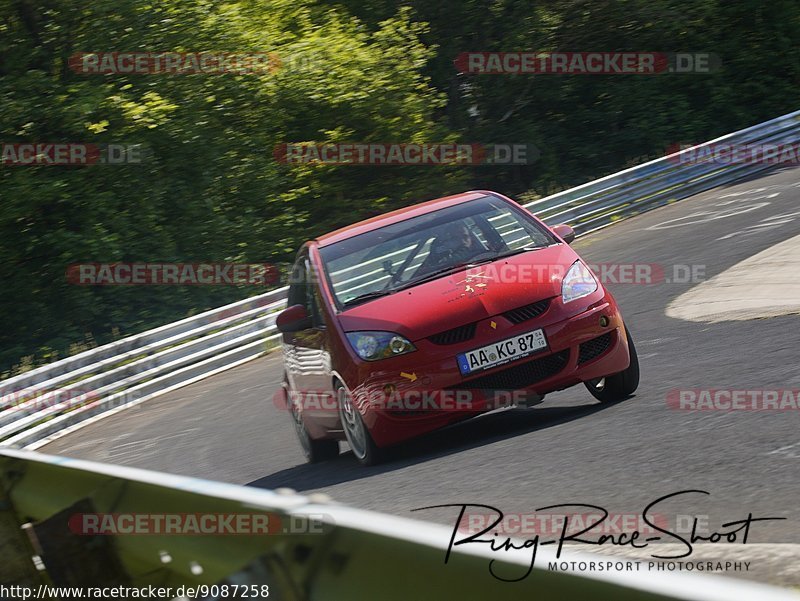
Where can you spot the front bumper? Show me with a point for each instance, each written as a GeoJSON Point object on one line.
{"type": "Point", "coordinates": [406, 396]}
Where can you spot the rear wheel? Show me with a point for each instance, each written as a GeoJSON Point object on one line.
{"type": "Point", "coordinates": [315, 450]}
{"type": "Point", "coordinates": [618, 386]}
{"type": "Point", "coordinates": [358, 437]}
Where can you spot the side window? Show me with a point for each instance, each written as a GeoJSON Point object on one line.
{"type": "Point", "coordinates": [303, 291]}
{"type": "Point", "coordinates": [516, 233]}
{"type": "Point", "coordinates": [313, 299]}
{"type": "Point", "coordinates": [297, 294]}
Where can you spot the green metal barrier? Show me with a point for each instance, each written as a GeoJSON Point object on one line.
{"type": "Point", "coordinates": [315, 549]}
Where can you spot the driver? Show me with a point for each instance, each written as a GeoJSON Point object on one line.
{"type": "Point", "coordinates": [456, 244]}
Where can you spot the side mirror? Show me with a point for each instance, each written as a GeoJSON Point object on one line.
{"type": "Point", "coordinates": [293, 319]}
{"type": "Point", "coordinates": [565, 231]}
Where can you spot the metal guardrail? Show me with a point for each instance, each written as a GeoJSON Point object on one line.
{"type": "Point", "coordinates": [315, 549]}
{"type": "Point", "coordinates": [42, 404]}
{"type": "Point", "coordinates": [602, 202]}
{"type": "Point", "coordinates": [122, 374]}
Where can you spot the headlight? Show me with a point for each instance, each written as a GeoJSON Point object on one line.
{"type": "Point", "coordinates": [578, 282]}
{"type": "Point", "coordinates": [372, 346]}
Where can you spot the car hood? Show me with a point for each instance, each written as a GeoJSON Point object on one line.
{"type": "Point", "coordinates": [465, 296]}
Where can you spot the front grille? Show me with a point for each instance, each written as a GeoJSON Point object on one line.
{"type": "Point", "coordinates": [527, 312]}
{"type": "Point", "coordinates": [520, 375]}
{"type": "Point", "coordinates": [459, 334]}
{"type": "Point", "coordinates": [594, 348]}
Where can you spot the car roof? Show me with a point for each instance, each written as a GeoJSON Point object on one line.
{"type": "Point", "coordinates": [380, 221]}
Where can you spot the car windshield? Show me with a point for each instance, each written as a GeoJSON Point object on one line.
{"type": "Point", "coordinates": [406, 253]}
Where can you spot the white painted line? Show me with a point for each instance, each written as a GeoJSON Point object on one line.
{"type": "Point", "coordinates": [764, 285]}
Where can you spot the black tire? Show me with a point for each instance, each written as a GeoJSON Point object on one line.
{"type": "Point", "coordinates": [315, 450]}
{"type": "Point", "coordinates": [617, 386]}
{"type": "Point", "coordinates": [356, 432]}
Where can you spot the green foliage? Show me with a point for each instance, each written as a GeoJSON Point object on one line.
{"type": "Point", "coordinates": [590, 125]}
{"type": "Point", "coordinates": [209, 189]}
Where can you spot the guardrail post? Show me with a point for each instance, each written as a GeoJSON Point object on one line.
{"type": "Point", "coordinates": [16, 548]}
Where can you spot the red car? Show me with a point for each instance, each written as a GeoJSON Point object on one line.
{"type": "Point", "coordinates": [413, 320]}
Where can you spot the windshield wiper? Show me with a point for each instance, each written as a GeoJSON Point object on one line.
{"type": "Point", "coordinates": [366, 296]}
{"type": "Point", "coordinates": [510, 253]}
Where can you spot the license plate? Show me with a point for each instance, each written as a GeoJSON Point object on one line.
{"type": "Point", "coordinates": [501, 352]}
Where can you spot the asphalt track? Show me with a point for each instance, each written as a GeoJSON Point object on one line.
{"type": "Point", "coordinates": [569, 449]}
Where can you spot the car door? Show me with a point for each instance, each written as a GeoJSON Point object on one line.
{"type": "Point", "coordinates": [306, 352]}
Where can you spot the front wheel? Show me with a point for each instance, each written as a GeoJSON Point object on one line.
{"type": "Point", "coordinates": [618, 386]}
{"type": "Point", "coordinates": [358, 437]}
